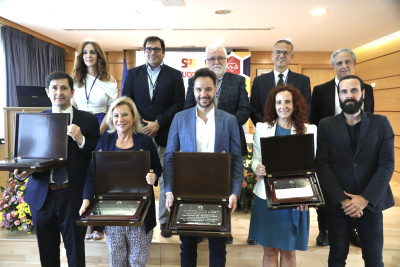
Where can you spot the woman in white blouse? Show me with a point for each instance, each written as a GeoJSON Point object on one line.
{"type": "Point", "coordinates": [280, 232]}
{"type": "Point", "coordinates": [95, 88]}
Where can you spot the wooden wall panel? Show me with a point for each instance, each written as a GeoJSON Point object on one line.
{"type": "Point", "coordinates": [396, 177]}
{"type": "Point", "coordinates": [382, 48]}
{"type": "Point", "coordinates": [69, 62]}
{"type": "Point", "coordinates": [385, 66]}
{"type": "Point", "coordinates": [264, 57]}
{"type": "Point", "coordinates": [397, 159]}
{"type": "Point", "coordinates": [319, 76]}
{"type": "Point", "coordinates": [387, 99]}
{"type": "Point", "coordinates": [397, 141]}
{"type": "Point", "coordinates": [385, 83]}
{"type": "Point", "coordinates": [394, 119]}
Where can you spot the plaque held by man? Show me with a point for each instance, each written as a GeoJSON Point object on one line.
{"type": "Point", "coordinates": [202, 189]}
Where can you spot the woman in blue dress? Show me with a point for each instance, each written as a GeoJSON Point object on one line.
{"type": "Point", "coordinates": [127, 245]}
{"type": "Point", "coordinates": [279, 231]}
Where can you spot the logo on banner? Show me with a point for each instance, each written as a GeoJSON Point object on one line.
{"type": "Point", "coordinates": [233, 65]}
{"type": "Point", "coordinates": [188, 63]}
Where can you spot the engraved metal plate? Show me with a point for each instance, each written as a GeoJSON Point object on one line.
{"type": "Point", "coordinates": [199, 214]}
{"type": "Point", "coordinates": [293, 188]}
{"type": "Point", "coordinates": [116, 208]}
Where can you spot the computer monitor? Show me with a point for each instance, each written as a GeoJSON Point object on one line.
{"type": "Point", "coordinates": [32, 96]}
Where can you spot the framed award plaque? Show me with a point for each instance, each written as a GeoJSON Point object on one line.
{"type": "Point", "coordinates": [123, 196]}
{"type": "Point", "coordinates": [290, 168]}
{"type": "Point", "coordinates": [201, 201]}
{"type": "Point", "coordinates": [40, 142]}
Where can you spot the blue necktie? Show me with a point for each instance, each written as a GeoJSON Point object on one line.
{"type": "Point", "coordinates": [60, 175]}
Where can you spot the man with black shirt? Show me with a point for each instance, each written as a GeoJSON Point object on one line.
{"type": "Point", "coordinates": [354, 164]}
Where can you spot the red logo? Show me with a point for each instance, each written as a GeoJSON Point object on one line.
{"type": "Point", "coordinates": [233, 65]}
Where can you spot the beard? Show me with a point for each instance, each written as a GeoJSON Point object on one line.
{"type": "Point", "coordinates": [218, 69]}
{"type": "Point", "coordinates": [211, 101]}
{"type": "Point", "coordinates": [351, 108]}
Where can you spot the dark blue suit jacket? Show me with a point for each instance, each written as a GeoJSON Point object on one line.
{"type": "Point", "coordinates": [233, 97]}
{"type": "Point", "coordinates": [77, 163]}
{"type": "Point", "coordinates": [262, 86]}
{"type": "Point", "coordinates": [367, 172]}
{"type": "Point", "coordinates": [140, 141]}
{"type": "Point", "coordinates": [168, 97]}
{"type": "Point", "coordinates": [323, 101]}
{"type": "Point", "coordinates": [182, 136]}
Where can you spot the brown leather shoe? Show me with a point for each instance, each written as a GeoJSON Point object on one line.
{"type": "Point", "coordinates": [251, 242]}
{"type": "Point", "coordinates": [163, 233]}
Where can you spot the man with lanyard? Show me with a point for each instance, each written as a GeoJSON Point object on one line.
{"type": "Point", "coordinates": [55, 196]}
{"type": "Point", "coordinates": [325, 103]}
{"type": "Point", "coordinates": [204, 128]}
{"type": "Point", "coordinates": [282, 55]}
{"type": "Point", "coordinates": [158, 93]}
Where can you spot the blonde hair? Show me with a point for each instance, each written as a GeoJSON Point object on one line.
{"type": "Point", "coordinates": [137, 125]}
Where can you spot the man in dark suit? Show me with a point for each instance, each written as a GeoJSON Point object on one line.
{"type": "Point", "coordinates": [158, 93]}
{"type": "Point", "coordinates": [282, 55]}
{"type": "Point", "coordinates": [354, 164]}
{"type": "Point", "coordinates": [204, 128]}
{"type": "Point", "coordinates": [55, 196]}
{"type": "Point", "coordinates": [325, 103]}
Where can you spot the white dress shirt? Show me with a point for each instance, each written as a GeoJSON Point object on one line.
{"type": "Point", "coordinates": [205, 132]}
{"type": "Point", "coordinates": [152, 77]}
{"type": "Point", "coordinates": [338, 109]}
{"type": "Point", "coordinates": [285, 74]}
{"type": "Point", "coordinates": [71, 115]}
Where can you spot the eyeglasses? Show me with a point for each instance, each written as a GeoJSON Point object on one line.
{"type": "Point", "coordinates": [278, 52]}
{"type": "Point", "coordinates": [212, 59]}
{"type": "Point", "coordinates": [155, 49]}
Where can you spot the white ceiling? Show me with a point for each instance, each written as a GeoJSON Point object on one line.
{"type": "Point", "coordinates": [348, 23]}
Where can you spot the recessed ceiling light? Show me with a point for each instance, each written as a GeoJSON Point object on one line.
{"type": "Point", "coordinates": [137, 12]}
{"type": "Point", "coordinates": [219, 40]}
{"type": "Point", "coordinates": [318, 11]}
{"type": "Point", "coordinates": [223, 11]}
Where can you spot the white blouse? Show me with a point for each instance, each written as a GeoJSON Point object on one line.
{"type": "Point", "coordinates": [263, 130]}
{"type": "Point", "coordinates": [101, 96]}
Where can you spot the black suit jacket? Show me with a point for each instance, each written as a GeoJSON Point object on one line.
{"type": "Point", "coordinates": [77, 163]}
{"type": "Point", "coordinates": [262, 86]}
{"type": "Point", "coordinates": [168, 97]}
{"type": "Point", "coordinates": [323, 101]}
{"type": "Point", "coordinates": [367, 172]}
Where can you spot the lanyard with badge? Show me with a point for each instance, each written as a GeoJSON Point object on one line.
{"type": "Point", "coordinates": [153, 86]}
{"type": "Point", "coordinates": [87, 96]}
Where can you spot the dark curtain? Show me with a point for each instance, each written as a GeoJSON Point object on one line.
{"type": "Point", "coordinates": [28, 61]}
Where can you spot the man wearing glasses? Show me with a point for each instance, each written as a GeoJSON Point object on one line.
{"type": "Point", "coordinates": [158, 93]}
{"type": "Point", "coordinates": [281, 75]}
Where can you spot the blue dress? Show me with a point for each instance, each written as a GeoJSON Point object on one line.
{"type": "Point", "coordinates": [284, 229]}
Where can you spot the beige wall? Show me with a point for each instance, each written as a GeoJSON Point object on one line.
{"type": "Point", "coordinates": [380, 63]}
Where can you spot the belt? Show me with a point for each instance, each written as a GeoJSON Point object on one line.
{"type": "Point", "coordinates": [55, 187]}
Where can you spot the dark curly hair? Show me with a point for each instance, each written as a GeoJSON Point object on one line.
{"type": "Point", "coordinates": [80, 71]}
{"type": "Point", "coordinates": [300, 109]}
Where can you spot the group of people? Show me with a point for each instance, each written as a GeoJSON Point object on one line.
{"type": "Point", "coordinates": [354, 152]}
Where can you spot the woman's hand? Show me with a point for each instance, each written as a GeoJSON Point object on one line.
{"type": "Point", "coordinates": [85, 204]}
{"type": "Point", "coordinates": [169, 201]}
{"type": "Point", "coordinates": [260, 171]}
{"type": "Point", "coordinates": [303, 207]}
{"type": "Point", "coordinates": [151, 178]}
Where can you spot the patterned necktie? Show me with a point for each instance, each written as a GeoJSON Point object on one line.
{"type": "Point", "coordinates": [280, 82]}
{"type": "Point", "coordinates": [59, 175]}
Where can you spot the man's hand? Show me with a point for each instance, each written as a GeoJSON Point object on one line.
{"type": "Point", "coordinates": [21, 175]}
{"type": "Point", "coordinates": [75, 132]}
{"type": "Point", "coordinates": [151, 129]}
{"type": "Point", "coordinates": [355, 206]}
{"type": "Point", "coordinates": [84, 206]}
{"type": "Point", "coordinates": [169, 201]}
{"type": "Point", "coordinates": [233, 199]}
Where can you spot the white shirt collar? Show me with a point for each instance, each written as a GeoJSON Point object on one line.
{"type": "Point", "coordinates": [276, 74]}
{"type": "Point", "coordinates": [210, 114]}
{"type": "Point", "coordinates": [159, 67]}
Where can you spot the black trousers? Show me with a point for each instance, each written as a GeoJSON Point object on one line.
{"type": "Point", "coordinates": [370, 230]}
{"type": "Point", "coordinates": [189, 251]}
{"type": "Point", "coordinates": [59, 215]}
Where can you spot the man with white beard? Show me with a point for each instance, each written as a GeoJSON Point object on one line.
{"type": "Point", "coordinates": [231, 95]}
